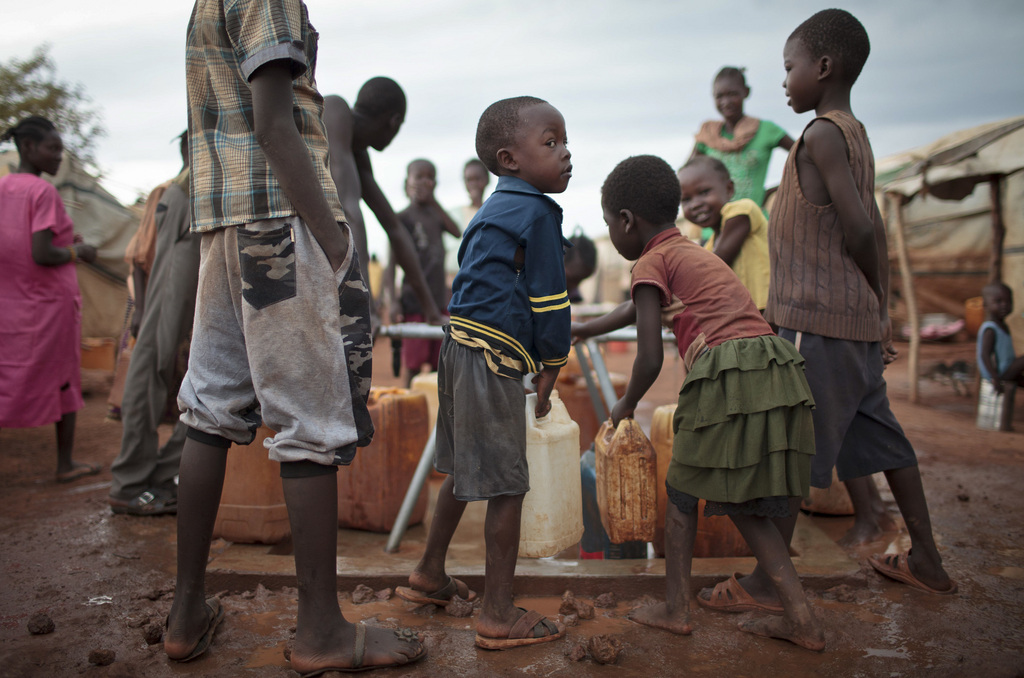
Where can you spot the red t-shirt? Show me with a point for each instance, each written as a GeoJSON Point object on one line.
{"type": "Point", "coordinates": [716, 302]}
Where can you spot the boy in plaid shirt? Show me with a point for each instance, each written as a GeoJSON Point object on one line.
{"type": "Point", "coordinates": [281, 330]}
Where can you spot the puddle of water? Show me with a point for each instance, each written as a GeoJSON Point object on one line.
{"type": "Point", "coordinates": [1008, 572]}
{"type": "Point", "coordinates": [900, 653]}
{"type": "Point", "coordinates": [268, 656]}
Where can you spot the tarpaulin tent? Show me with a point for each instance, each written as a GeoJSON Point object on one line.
{"type": "Point", "coordinates": [955, 217]}
{"type": "Point", "coordinates": [104, 223]}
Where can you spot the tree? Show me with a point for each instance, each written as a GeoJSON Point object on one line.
{"type": "Point", "coordinates": [31, 87]}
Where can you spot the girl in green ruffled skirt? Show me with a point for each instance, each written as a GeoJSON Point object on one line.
{"type": "Point", "coordinates": [743, 433]}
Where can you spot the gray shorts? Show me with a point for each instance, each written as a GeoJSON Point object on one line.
{"type": "Point", "coordinates": [854, 427]}
{"type": "Point", "coordinates": [481, 426]}
{"type": "Point", "coordinates": [279, 337]}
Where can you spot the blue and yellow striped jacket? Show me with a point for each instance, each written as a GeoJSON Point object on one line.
{"type": "Point", "coordinates": [509, 296]}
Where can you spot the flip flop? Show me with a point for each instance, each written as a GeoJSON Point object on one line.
{"type": "Point", "coordinates": [519, 634]}
{"type": "Point", "coordinates": [897, 567]}
{"type": "Point", "coordinates": [730, 596]}
{"type": "Point", "coordinates": [440, 597]}
{"type": "Point", "coordinates": [79, 470]}
{"type": "Point", "coordinates": [216, 614]}
{"type": "Point", "coordinates": [359, 652]}
{"type": "Point", "coordinates": [149, 503]}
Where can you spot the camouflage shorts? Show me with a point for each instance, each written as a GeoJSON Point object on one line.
{"type": "Point", "coordinates": [281, 338]}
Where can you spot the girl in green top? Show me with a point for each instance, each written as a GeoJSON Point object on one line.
{"type": "Point", "coordinates": [744, 144]}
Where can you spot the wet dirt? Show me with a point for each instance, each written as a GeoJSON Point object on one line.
{"type": "Point", "coordinates": [107, 581]}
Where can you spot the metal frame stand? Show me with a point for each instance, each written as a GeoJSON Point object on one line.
{"type": "Point", "coordinates": [602, 395]}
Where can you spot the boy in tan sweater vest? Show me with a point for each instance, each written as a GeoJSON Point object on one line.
{"type": "Point", "coordinates": [828, 294]}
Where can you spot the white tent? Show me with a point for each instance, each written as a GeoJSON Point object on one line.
{"type": "Point", "coordinates": [955, 215]}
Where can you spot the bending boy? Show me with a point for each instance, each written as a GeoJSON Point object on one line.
{"type": "Point", "coordinates": [509, 317]}
{"type": "Point", "coordinates": [280, 299]}
{"type": "Point", "coordinates": [373, 123]}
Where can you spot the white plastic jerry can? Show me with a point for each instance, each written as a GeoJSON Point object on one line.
{"type": "Point", "coordinates": [552, 519]}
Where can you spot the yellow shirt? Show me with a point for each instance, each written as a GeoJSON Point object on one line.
{"type": "Point", "coordinates": [751, 263]}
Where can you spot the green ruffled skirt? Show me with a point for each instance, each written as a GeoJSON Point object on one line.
{"type": "Point", "coordinates": [743, 427]}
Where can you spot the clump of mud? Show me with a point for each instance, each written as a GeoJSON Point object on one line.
{"type": "Point", "coordinates": [40, 624]}
{"type": "Point", "coordinates": [572, 605]}
{"type": "Point", "coordinates": [459, 607]}
{"type": "Point", "coordinates": [605, 649]}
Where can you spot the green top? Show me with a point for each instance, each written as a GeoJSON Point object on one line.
{"type": "Point", "coordinates": [749, 167]}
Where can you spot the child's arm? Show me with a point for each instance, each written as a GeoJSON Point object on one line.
{"type": "Point", "coordinates": [621, 316]}
{"type": "Point", "coordinates": [730, 241]}
{"type": "Point", "coordinates": [786, 143]}
{"type": "Point", "coordinates": [650, 352]}
{"type": "Point", "coordinates": [543, 273]}
{"type": "Point", "coordinates": [447, 222]}
{"type": "Point", "coordinates": [387, 284]}
{"type": "Point", "coordinates": [401, 241]}
{"type": "Point", "coordinates": [826, 148]}
{"type": "Point", "coordinates": [988, 349]}
{"type": "Point", "coordinates": [1015, 372]}
{"type": "Point", "coordinates": [286, 153]}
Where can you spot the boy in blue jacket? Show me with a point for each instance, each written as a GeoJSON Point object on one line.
{"type": "Point", "coordinates": [509, 317]}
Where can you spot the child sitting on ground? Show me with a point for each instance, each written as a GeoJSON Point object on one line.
{"type": "Point", "coordinates": [509, 317]}
{"type": "Point", "coordinates": [739, 228]}
{"type": "Point", "coordinates": [744, 437]}
{"type": "Point", "coordinates": [1000, 369]}
{"type": "Point", "coordinates": [426, 222]}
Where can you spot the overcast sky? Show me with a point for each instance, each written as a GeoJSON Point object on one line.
{"type": "Point", "coordinates": [629, 77]}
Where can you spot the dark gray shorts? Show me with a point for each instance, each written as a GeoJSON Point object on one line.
{"type": "Point", "coordinates": [481, 426]}
{"type": "Point", "coordinates": [854, 428]}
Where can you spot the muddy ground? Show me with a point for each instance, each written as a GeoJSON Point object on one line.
{"type": "Point", "coordinates": [107, 581]}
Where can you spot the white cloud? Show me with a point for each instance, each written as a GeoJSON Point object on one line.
{"type": "Point", "coordinates": [629, 77]}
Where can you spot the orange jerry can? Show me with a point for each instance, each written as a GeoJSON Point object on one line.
{"type": "Point", "coordinates": [252, 508]}
{"type": "Point", "coordinates": [831, 501]}
{"type": "Point", "coordinates": [371, 489]}
{"type": "Point", "coordinates": [716, 536]}
{"type": "Point", "coordinates": [626, 474]}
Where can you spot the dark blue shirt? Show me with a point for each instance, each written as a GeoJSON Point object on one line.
{"type": "Point", "coordinates": [510, 289]}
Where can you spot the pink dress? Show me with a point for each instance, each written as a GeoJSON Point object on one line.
{"type": "Point", "coordinates": [41, 307]}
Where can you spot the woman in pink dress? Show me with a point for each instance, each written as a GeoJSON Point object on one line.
{"type": "Point", "coordinates": [40, 338]}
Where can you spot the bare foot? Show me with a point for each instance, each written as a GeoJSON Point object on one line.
{"type": "Point", "coordinates": [659, 617]}
{"type": "Point", "coordinates": [861, 533]}
{"type": "Point", "coordinates": [810, 637]}
{"type": "Point", "coordinates": [868, 530]}
{"type": "Point", "coordinates": [380, 648]}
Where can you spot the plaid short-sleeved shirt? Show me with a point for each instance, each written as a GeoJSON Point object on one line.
{"type": "Point", "coordinates": [227, 41]}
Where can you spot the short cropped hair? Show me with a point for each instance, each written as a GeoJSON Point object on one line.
{"type": "Point", "coordinates": [644, 185]}
{"type": "Point", "coordinates": [731, 72]}
{"type": "Point", "coordinates": [33, 128]}
{"type": "Point", "coordinates": [583, 249]}
{"type": "Point", "coordinates": [988, 290]}
{"type": "Point", "coordinates": [420, 161]}
{"type": "Point", "coordinates": [380, 96]}
{"type": "Point", "coordinates": [836, 32]}
{"type": "Point", "coordinates": [498, 128]}
{"type": "Point", "coordinates": [474, 162]}
{"type": "Point", "coordinates": [712, 164]}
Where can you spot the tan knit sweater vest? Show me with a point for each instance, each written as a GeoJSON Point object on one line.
{"type": "Point", "coordinates": [815, 285]}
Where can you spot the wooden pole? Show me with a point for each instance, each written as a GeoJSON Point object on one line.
{"type": "Point", "coordinates": [894, 217]}
{"type": "Point", "coordinates": [995, 272]}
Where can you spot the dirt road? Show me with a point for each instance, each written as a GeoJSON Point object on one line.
{"type": "Point", "coordinates": [106, 581]}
